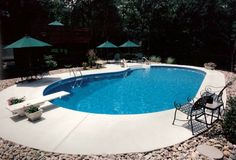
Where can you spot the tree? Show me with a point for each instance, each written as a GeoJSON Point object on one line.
{"type": "Point", "coordinates": [60, 10]}
{"type": "Point", "coordinates": [101, 17]}
{"type": "Point", "coordinates": [24, 18]}
{"type": "Point", "coordinates": [233, 38]}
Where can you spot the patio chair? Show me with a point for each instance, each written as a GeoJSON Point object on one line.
{"type": "Point", "coordinates": [192, 109]}
{"type": "Point", "coordinates": [215, 96]}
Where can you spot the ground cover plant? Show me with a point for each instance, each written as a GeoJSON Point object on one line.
{"type": "Point", "coordinates": [229, 121]}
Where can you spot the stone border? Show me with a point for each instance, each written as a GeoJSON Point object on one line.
{"type": "Point", "coordinates": [185, 150]}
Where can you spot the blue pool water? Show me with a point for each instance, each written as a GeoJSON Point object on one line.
{"type": "Point", "coordinates": [129, 92]}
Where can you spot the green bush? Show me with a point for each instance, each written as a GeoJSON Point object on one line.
{"type": "Point", "coordinates": [50, 62]}
{"type": "Point", "coordinates": [229, 121]}
{"type": "Point", "coordinates": [117, 57]}
{"type": "Point", "coordinates": [155, 59]}
{"type": "Point", "coordinates": [15, 100]}
{"type": "Point", "coordinates": [91, 58]}
{"type": "Point", "coordinates": [158, 59]}
{"type": "Point", "coordinates": [84, 65]}
{"type": "Point", "coordinates": [32, 109]}
{"type": "Point", "coordinates": [170, 60]}
{"type": "Point", "coordinates": [152, 58]}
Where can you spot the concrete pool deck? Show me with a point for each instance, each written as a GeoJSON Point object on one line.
{"type": "Point", "coordinates": [67, 131]}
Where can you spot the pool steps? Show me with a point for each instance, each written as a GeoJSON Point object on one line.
{"type": "Point", "coordinates": [74, 71]}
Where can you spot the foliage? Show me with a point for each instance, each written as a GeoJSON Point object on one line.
{"type": "Point", "coordinates": [170, 60]}
{"type": "Point", "coordinates": [117, 57]}
{"type": "Point", "coordinates": [155, 59]}
{"type": "Point", "coordinates": [193, 31]}
{"type": "Point", "coordinates": [101, 17]}
{"type": "Point", "coordinates": [91, 58]}
{"type": "Point", "coordinates": [14, 100]}
{"type": "Point", "coordinates": [84, 65]}
{"type": "Point", "coordinates": [22, 17]}
{"type": "Point", "coordinates": [59, 10]}
{"type": "Point", "coordinates": [233, 38]}
{"type": "Point", "coordinates": [136, 17]}
{"type": "Point", "coordinates": [233, 34]}
{"type": "Point", "coordinates": [32, 109]}
{"type": "Point", "coordinates": [50, 62]}
{"type": "Point", "coordinates": [229, 125]}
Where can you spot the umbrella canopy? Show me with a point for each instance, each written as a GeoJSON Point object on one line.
{"type": "Point", "coordinates": [129, 44]}
{"type": "Point", "coordinates": [27, 42]}
{"type": "Point", "coordinates": [56, 23]}
{"type": "Point", "coordinates": [107, 44]}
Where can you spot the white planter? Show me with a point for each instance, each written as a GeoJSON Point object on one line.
{"type": "Point", "coordinates": [34, 116]}
{"type": "Point", "coordinates": [209, 67]}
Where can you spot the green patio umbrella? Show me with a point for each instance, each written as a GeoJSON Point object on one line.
{"type": "Point", "coordinates": [129, 44]}
{"type": "Point", "coordinates": [27, 42]}
{"type": "Point", "coordinates": [107, 44]}
{"type": "Point", "coordinates": [56, 23]}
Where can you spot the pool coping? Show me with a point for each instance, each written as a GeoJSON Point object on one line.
{"type": "Point", "coordinates": [94, 133]}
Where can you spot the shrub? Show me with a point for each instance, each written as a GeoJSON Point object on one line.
{"type": "Point", "coordinates": [229, 121]}
{"type": "Point", "coordinates": [152, 58]}
{"type": "Point", "coordinates": [50, 63]}
{"type": "Point", "coordinates": [170, 60]}
{"type": "Point", "coordinates": [91, 58]}
{"type": "Point", "coordinates": [84, 65]}
{"type": "Point", "coordinates": [158, 59]}
{"type": "Point", "coordinates": [155, 59]}
{"type": "Point", "coordinates": [117, 57]}
{"type": "Point", "coordinates": [15, 100]}
{"type": "Point", "coordinates": [32, 109]}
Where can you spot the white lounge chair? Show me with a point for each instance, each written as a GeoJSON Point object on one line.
{"type": "Point", "coordinates": [19, 108]}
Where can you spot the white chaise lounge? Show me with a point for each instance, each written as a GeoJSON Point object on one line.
{"type": "Point", "coordinates": [20, 107]}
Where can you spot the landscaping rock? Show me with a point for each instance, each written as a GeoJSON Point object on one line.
{"type": "Point", "coordinates": [226, 153]}
{"type": "Point", "coordinates": [230, 145]}
{"type": "Point", "coordinates": [194, 156]}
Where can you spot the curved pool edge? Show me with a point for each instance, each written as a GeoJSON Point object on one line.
{"type": "Point", "coordinates": [67, 84]}
{"type": "Point", "coordinates": [94, 133]}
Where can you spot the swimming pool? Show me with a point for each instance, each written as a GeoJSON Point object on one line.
{"type": "Point", "coordinates": [129, 92]}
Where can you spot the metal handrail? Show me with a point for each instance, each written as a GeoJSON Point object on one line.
{"type": "Point", "coordinates": [146, 60]}
{"type": "Point", "coordinates": [74, 71]}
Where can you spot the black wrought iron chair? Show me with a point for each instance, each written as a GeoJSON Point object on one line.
{"type": "Point", "coordinates": [215, 96]}
{"type": "Point", "coordinates": [193, 110]}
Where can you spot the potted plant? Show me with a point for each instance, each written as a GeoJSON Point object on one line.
{"type": "Point", "coordinates": [33, 112]}
{"type": "Point", "coordinates": [14, 100]}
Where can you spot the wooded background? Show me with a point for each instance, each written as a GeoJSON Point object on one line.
{"type": "Point", "coordinates": [191, 31]}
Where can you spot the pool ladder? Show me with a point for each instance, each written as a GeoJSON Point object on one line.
{"type": "Point", "coordinates": [74, 72]}
{"type": "Point", "coordinates": [146, 60]}
{"type": "Point", "coordinates": [125, 74]}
